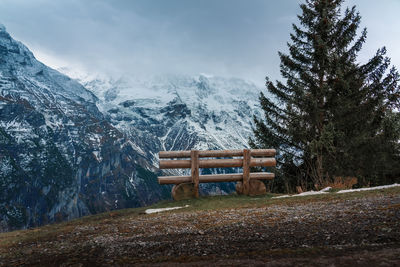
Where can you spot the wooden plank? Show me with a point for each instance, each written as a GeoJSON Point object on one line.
{"type": "Point", "coordinates": [246, 171]}
{"type": "Point", "coordinates": [214, 178]}
{"type": "Point", "coordinates": [174, 179]}
{"type": "Point", "coordinates": [262, 175]}
{"type": "Point", "coordinates": [262, 162]}
{"type": "Point", "coordinates": [217, 153]}
{"type": "Point", "coordinates": [194, 158]}
{"type": "Point", "coordinates": [175, 164]}
{"type": "Point", "coordinates": [263, 152]}
{"type": "Point", "coordinates": [217, 163]}
{"type": "Point", "coordinates": [174, 154]}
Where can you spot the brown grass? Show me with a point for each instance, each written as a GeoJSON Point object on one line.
{"type": "Point", "coordinates": [99, 222]}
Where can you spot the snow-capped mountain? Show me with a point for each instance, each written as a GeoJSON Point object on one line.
{"type": "Point", "coordinates": [175, 112]}
{"type": "Point", "coordinates": [71, 147]}
{"type": "Point", "coordinates": [59, 156]}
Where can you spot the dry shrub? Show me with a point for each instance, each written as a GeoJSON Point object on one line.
{"type": "Point", "coordinates": [299, 189]}
{"type": "Point", "coordinates": [343, 182]}
{"type": "Point", "coordinates": [338, 182]}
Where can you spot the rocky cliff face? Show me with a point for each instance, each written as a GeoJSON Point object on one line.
{"type": "Point", "coordinates": [59, 156]}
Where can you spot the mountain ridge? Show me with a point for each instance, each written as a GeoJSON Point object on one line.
{"type": "Point", "coordinates": [59, 158]}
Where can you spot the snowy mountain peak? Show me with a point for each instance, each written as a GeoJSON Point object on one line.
{"type": "Point", "coordinates": [2, 28]}
{"type": "Point", "coordinates": [178, 112]}
{"type": "Point", "coordinates": [13, 50]}
{"type": "Point", "coordinates": [18, 61]}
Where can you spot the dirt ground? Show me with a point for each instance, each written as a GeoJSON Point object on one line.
{"type": "Point", "coordinates": [336, 232]}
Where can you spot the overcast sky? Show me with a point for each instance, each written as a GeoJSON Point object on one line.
{"type": "Point", "coordinates": [232, 38]}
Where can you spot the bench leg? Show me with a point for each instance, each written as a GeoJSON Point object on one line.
{"type": "Point", "coordinates": [183, 191]}
{"type": "Point", "coordinates": [256, 188]}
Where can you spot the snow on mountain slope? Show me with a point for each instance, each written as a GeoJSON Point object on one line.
{"type": "Point", "coordinates": [178, 112]}
{"type": "Point", "coordinates": [59, 156]}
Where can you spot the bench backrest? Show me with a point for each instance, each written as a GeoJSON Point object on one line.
{"type": "Point", "coordinates": [245, 159]}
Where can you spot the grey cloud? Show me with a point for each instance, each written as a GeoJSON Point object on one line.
{"type": "Point", "coordinates": [225, 37]}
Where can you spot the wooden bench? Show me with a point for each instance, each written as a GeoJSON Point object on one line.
{"type": "Point", "coordinates": [248, 183]}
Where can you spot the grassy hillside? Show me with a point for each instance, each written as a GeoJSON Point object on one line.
{"type": "Point", "coordinates": [221, 230]}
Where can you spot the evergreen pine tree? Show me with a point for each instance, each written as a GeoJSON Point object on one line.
{"type": "Point", "coordinates": [333, 116]}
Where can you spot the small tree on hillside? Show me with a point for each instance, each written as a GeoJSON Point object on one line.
{"type": "Point", "coordinates": [333, 116]}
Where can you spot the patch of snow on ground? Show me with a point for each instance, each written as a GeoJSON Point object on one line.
{"type": "Point", "coordinates": [149, 211]}
{"type": "Point", "coordinates": [308, 193]}
{"type": "Point", "coordinates": [325, 190]}
{"type": "Point", "coordinates": [368, 188]}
